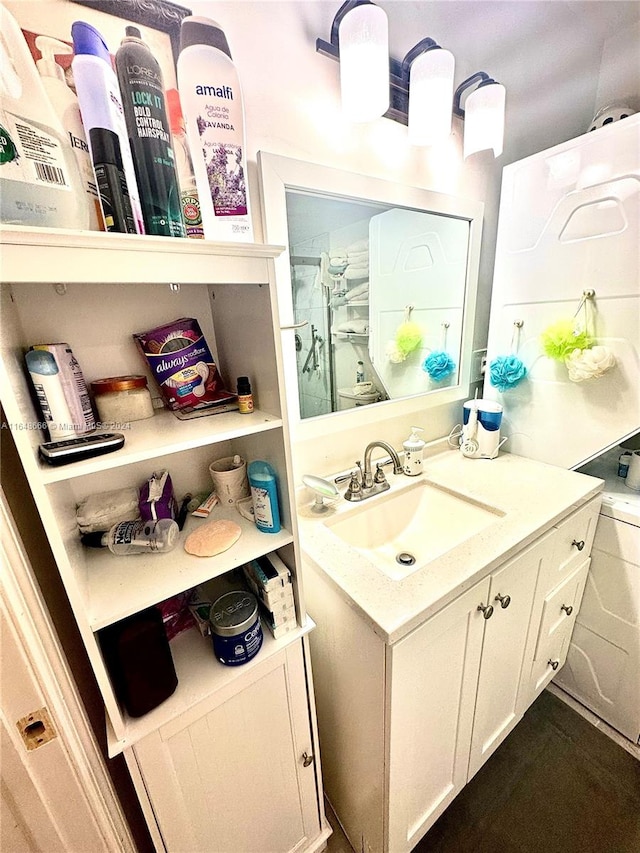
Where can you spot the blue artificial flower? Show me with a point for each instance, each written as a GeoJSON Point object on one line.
{"type": "Point", "coordinates": [439, 365]}
{"type": "Point", "coordinates": [506, 371]}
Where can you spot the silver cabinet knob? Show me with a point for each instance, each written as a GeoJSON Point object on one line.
{"type": "Point", "coordinates": [568, 609]}
{"type": "Point", "coordinates": [505, 600]}
{"type": "Point", "coordinates": [307, 759]}
{"type": "Point", "coordinates": [554, 664]}
{"type": "Point", "coordinates": [487, 610]}
{"type": "Point", "coordinates": [578, 543]}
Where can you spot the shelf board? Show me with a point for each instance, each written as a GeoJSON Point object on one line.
{"type": "Point", "coordinates": [162, 434]}
{"type": "Point", "coordinates": [102, 256]}
{"type": "Point", "coordinates": [120, 586]}
{"type": "Point", "coordinates": [200, 675]}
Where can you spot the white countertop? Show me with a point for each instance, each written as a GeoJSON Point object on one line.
{"type": "Point", "coordinates": [532, 495]}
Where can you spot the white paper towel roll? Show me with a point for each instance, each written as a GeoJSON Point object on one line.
{"type": "Point", "coordinates": [633, 474]}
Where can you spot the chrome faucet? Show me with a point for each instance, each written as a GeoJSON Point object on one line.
{"type": "Point", "coordinates": [363, 483]}
{"type": "Point", "coordinates": [367, 479]}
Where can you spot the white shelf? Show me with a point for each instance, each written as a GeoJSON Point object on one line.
{"type": "Point", "coordinates": [162, 434]}
{"type": "Point", "coordinates": [120, 586]}
{"type": "Point", "coordinates": [101, 257]}
{"type": "Point", "coordinates": [199, 675]}
{"type": "Point", "coordinates": [349, 335]}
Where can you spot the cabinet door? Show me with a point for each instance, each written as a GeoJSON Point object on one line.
{"type": "Point", "coordinates": [433, 678]}
{"type": "Point", "coordinates": [503, 651]}
{"type": "Point", "coordinates": [234, 776]}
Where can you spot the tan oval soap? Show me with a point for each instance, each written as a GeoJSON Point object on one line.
{"type": "Point", "coordinates": [212, 538]}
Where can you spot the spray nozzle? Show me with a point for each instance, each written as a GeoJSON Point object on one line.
{"type": "Point", "coordinates": [50, 48]}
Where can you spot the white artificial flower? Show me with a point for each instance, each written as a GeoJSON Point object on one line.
{"type": "Point", "coordinates": [589, 363]}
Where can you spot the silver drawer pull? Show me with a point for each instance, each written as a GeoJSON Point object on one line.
{"type": "Point", "coordinates": [487, 610]}
{"type": "Point", "coordinates": [568, 609]}
{"type": "Point", "coordinates": [505, 600]}
{"type": "Point", "coordinates": [578, 543]}
{"type": "Point", "coordinates": [554, 664]}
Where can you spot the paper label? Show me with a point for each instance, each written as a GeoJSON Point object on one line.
{"type": "Point", "coordinates": [30, 154]}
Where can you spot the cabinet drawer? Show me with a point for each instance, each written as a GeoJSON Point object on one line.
{"type": "Point", "coordinates": [560, 609]}
{"type": "Point", "coordinates": [556, 628]}
{"type": "Point", "coordinates": [573, 540]}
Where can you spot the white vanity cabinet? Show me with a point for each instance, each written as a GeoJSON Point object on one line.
{"type": "Point", "coordinates": [93, 291]}
{"type": "Point", "coordinates": [405, 725]}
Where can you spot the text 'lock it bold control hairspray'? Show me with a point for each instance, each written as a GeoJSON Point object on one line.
{"type": "Point", "coordinates": [212, 104]}
{"type": "Point", "coordinates": [145, 112]}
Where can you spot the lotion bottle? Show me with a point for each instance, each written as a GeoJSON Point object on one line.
{"type": "Point", "coordinates": [264, 493]}
{"type": "Point", "coordinates": [100, 101]}
{"type": "Point", "coordinates": [39, 179]}
{"type": "Point", "coordinates": [413, 452]}
{"type": "Point", "coordinates": [145, 112]}
{"type": "Point", "coordinates": [65, 103]}
{"type": "Point", "coordinates": [212, 104]}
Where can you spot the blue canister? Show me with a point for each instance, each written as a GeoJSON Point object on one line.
{"type": "Point", "coordinates": [235, 627]}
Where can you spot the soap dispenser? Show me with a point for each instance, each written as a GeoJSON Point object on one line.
{"type": "Point", "coordinates": [413, 450]}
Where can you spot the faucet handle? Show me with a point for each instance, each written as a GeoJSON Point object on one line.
{"type": "Point", "coordinates": [379, 476]}
{"type": "Point", "coordinates": [354, 489]}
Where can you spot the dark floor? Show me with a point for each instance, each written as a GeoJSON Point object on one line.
{"type": "Point", "coordinates": [556, 785]}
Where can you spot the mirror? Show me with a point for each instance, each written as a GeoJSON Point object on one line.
{"type": "Point", "coordinates": [376, 291]}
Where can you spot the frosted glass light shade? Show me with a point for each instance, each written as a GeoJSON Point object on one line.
{"type": "Point", "coordinates": [430, 97]}
{"type": "Point", "coordinates": [484, 119]}
{"type": "Point", "coordinates": [363, 36]}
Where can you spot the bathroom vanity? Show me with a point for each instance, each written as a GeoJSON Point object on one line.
{"type": "Point", "coordinates": [422, 670]}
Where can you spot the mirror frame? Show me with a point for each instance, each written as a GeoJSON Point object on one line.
{"type": "Point", "coordinates": [278, 175]}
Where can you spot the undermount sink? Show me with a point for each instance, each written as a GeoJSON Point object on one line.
{"type": "Point", "coordinates": [401, 532]}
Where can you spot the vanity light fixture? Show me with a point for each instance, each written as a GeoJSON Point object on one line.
{"type": "Point", "coordinates": [483, 114]}
{"type": "Point", "coordinates": [362, 31]}
{"type": "Point", "coordinates": [418, 91]}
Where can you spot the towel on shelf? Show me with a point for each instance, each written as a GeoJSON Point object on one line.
{"type": "Point", "coordinates": [351, 273]}
{"type": "Point", "coordinates": [359, 292]}
{"type": "Point", "coordinates": [337, 268]}
{"type": "Point", "coordinates": [359, 259]}
{"type": "Point", "coordinates": [354, 327]}
{"type": "Point", "coordinates": [358, 246]}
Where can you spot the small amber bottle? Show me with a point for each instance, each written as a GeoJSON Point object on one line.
{"type": "Point", "coordinates": [245, 397]}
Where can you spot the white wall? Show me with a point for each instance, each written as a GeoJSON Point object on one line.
{"type": "Point", "coordinates": [548, 55]}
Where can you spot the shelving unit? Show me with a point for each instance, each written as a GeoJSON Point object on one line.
{"type": "Point", "coordinates": [94, 291]}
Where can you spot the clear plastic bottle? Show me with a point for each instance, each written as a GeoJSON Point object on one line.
{"type": "Point", "coordinates": [136, 537]}
{"type": "Point", "coordinates": [189, 199]}
{"type": "Point", "coordinates": [65, 103]}
{"type": "Point", "coordinates": [40, 183]}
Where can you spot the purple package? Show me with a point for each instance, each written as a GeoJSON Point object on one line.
{"type": "Point", "coordinates": [182, 365]}
{"type": "Point", "coordinates": [157, 499]}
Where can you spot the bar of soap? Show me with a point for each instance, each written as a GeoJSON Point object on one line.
{"type": "Point", "coordinates": [212, 538]}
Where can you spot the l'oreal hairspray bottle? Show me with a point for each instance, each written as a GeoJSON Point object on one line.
{"type": "Point", "coordinates": [212, 105]}
{"type": "Point", "coordinates": [149, 132]}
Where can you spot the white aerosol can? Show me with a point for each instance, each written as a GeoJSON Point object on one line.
{"type": "Point", "coordinates": [212, 104]}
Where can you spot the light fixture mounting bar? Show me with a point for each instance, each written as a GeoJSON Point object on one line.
{"type": "Point", "coordinates": [398, 73]}
{"type": "Point", "coordinates": [480, 77]}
